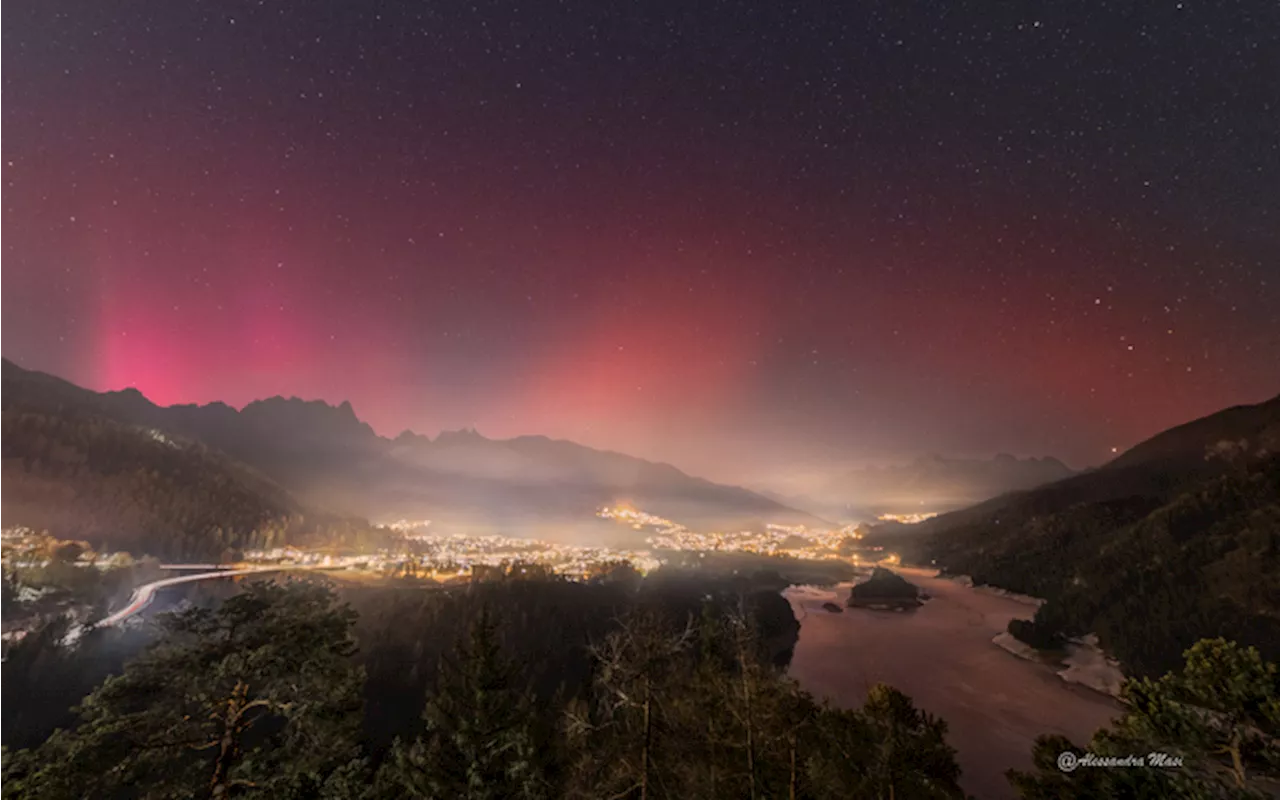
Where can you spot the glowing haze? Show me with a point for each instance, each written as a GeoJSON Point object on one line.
{"type": "Point", "coordinates": [756, 242]}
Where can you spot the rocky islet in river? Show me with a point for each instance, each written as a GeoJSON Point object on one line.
{"type": "Point", "coordinates": [885, 590]}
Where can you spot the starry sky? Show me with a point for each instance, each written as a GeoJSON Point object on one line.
{"type": "Point", "coordinates": [756, 240]}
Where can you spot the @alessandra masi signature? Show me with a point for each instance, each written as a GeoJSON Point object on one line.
{"type": "Point", "coordinates": [1070, 762]}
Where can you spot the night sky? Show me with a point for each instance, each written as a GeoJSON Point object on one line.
{"type": "Point", "coordinates": [755, 240]}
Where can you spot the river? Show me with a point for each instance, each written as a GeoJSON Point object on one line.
{"type": "Point", "coordinates": [994, 702]}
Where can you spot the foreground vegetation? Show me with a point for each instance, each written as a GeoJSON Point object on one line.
{"type": "Point", "coordinates": [263, 696]}
{"type": "Point", "coordinates": [544, 689]}
{"type": "Point", "coordinates": [1216, 723]}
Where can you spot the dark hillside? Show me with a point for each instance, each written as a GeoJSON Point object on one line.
{"type": "Point", "coordinates": [131, 488]}
{"type": "Point", "coordinates": [1176, 540]}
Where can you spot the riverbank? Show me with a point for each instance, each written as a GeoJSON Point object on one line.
{"type": "Point", "coordinates": [942, 654]}
{"type": "Point", "coordinates": [1082, 661]}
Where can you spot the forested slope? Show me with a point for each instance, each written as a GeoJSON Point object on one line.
{"type": "Point", "coordinates": [124, 487]}
{"type": "Point", "coordinates": [1177, 540]}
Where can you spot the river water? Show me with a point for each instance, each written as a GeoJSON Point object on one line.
{"type": "Point", "coordinates": [941, 654]}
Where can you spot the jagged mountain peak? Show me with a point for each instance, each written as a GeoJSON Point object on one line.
{"type": "Point", "coordinates": [316, 416]}
{"type": "Point", "coordinates": [460, 436]}
{"type": "Point", "coordinates": [330, 458]}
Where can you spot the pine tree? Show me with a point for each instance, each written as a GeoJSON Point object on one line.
{"type": "Point", "coordinates": [1219, 717]}
{"type": "Point", "coordinates": [911, 757]}
{"type": "Point", "coordinates": [621, 735]}
{"type": "Point", "coordinates": [480, 742]}
{"type": "Point", "coordinates": [256, 695]}
{"type": "Point", "coordinates": [887, 750]}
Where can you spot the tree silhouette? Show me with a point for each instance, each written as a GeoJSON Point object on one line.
{"type": "Point", "coordinates": [259, 694]}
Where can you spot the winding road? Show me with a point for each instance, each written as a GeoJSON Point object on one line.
{"type": "Point", "coordinates": [144, 594]}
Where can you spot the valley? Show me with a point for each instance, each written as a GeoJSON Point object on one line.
{"type": "Point", "coordinates": [121, 517]}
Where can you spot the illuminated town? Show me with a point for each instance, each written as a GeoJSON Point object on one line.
{"type": "Point", "coordinates": [426, 553]}
{"type": "Point", "coordinates": [795, 541]}
{"type": "Point", "coordinates": [444, 557]}
{"type": "Point", "coordinates": [907, 519]}
{"type": "Point", "coordinates": [42, 566]}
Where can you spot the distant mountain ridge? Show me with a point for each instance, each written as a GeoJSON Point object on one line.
{"type": "Point", "coordinates": [929, 483]}
{"type": "Point", "coordinates": [329, 458]}
{"type": "Point", "coordinates": [129, 487]}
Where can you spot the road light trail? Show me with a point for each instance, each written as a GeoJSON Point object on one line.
{"type": "Point", "coordinates": [144, 594]}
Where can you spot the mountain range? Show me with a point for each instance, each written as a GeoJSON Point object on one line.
{"type": "Point", "coordinates": [321, 456]}
{"type": "Point", "coordinates": [930, 483]}
{"type": "Point", "coordinates": [1174, 540]}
